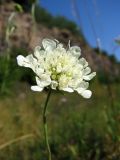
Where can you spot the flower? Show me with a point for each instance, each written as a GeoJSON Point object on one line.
{"type": "Point", "coordinates": [58, 68]}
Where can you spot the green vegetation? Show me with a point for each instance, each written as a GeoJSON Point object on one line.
{"type": "Point", "coordinates": [10, 73]}
{"type": "Point", "coordinates": [79, 129]}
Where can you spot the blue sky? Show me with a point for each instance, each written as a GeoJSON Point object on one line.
{"type": "Point", "coordinates": [98, 19]}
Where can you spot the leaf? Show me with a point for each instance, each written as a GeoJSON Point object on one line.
{"type": "Point", "coordinates": [18, 8]}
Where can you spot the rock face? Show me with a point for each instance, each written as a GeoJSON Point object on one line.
{"type": "Point", "coordinates": [28, 35]}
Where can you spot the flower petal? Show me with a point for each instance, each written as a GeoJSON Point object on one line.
{"type": "Point", "coordinates": [31, 59]}
{"type": "Point", "coordinates": [83, 62]}
{"type": "Point", "coordinates": [22, 61]}
{"type": "Point", "coordinates": [37, 51]}
{"type": "Point", "coordinates": [68, 89]}
{"type": "Point", "coordinates": [75, 51]}
{"type": "Point", "coordinates": [49, 44]}
{"type": "Point", "coordinates": [82, 86]}
{"type": "Point", "coordinates": [39, 70]}
{"type": "Point", "coordinates": [87, 70]}
{"type": "Point", "coordinates": [86, 94]}
{"type": "Point", "coordinates": [89, 77]}
{"type": "Point", "coordinates": [36, 88]}
{"type": "Point", "coordinates": [54, 84]}
{"type": "Point", "coordinates": [43, 81]}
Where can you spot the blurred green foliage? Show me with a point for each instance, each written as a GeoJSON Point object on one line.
{"type": "Point", "coordinates": [26, 4]}
{"type": "Point", "coordinates": [10, 73]}
{"type": "Point", "coordinates": [85, 131]}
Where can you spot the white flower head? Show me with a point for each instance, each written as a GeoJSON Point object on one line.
{"type": "Point", "coordinates": [58, 68]}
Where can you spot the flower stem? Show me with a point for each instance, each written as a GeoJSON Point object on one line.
{"type": "Point", "coordinates": [45, 125]}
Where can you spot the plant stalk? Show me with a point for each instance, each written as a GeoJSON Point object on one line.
{"type": "Point", "coordinates": [45, 125]}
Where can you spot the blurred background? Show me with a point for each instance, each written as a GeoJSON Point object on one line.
{"type": "Point", "coordinates": [79, 129]}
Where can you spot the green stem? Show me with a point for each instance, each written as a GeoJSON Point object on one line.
{"type": "Point", "coordinates": [33, 12]}
{"type": "Point", "coordinates": [45, 125]}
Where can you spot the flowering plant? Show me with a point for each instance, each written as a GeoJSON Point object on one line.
{"type": "Point", "coordinates": [59, 68]}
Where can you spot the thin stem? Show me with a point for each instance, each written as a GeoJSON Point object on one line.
{"type": "Point", "coordinates": [15, 141]}
{"type": "Point", "coordinates": [33, 12]}
{"type": "Point", "coordinates": [45, 125]}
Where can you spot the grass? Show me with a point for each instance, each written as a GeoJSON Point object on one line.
{"type": "Point", "coordinates": [71, 119]}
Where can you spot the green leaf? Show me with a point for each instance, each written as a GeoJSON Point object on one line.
{"type": "Point", "coordinates": [18, 8]}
